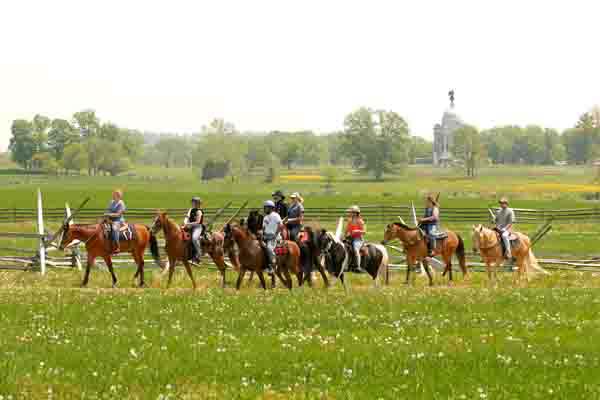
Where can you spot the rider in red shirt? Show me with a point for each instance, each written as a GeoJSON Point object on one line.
{"type": "Point", "coordinates": [355, 229]}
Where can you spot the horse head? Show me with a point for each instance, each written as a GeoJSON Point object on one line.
{"type": "Point", "coordinates": [478, 236]}
{"type": "Point", "coordinates": [158, 222]}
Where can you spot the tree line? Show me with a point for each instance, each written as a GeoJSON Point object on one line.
{"type": "Point", "coordinates": [532, 145]}
{"type": "Point", "coordinates": [83, 143]}
{"type": "Point", "coordinates": [376, 142]}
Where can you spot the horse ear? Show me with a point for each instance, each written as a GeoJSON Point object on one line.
{"type": "Point", "coordinates": [480, 228]}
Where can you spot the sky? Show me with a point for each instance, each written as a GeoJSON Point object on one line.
{"type": "Point", "coordinates": [172, 66]}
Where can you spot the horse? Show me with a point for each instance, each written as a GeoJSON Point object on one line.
{"type": "Point", "coordinates": [253, 258]}
{"type": "Point", "coordinates": [310, 256]}
{"type": "Point", "coordinates": [488, 243]}
{"type": "Point", "coordinates": [98, 245]}
{"type": "Point", "coordinates": [176, 245]}
{"type": "Point", "coordinates": [339, 254]}
{"type": "Point", "coordinates": [415, 246]}
{"type": "Point", "coordinates": [213, 244]}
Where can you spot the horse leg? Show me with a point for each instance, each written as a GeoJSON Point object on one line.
{"type": "Point", "coordinates": [140, 262]}
{"type": "Point", "coordinates": [428, 271]}
{"type": "Point", "coordinates": [90, 261]}
{"type": "Point", "coordinates": [172, 262]}
{"type": "Point", "coordinates": [448, 261]}
{"type": "Point", "coordinates": [261, 277]}
{"type": "Point", "coordinates": [188, 269]}
{"type": "Point", "coordinates": [240, 277]}
{"type": "Point", "coordinates": [408, 267]}
{"type": "Point", "coordinates": [322, 271]}
{"type": "Point", "coordinates": [109, 264]}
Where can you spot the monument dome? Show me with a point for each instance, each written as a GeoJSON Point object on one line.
{"type": "Point", "coordinates": [443, 135]}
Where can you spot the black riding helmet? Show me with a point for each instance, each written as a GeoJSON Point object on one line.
{"type": "Point", "coordinates": [278, 193]}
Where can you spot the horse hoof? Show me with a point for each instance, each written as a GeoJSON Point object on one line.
{"type": "Point", "coordinates": [114, 285]}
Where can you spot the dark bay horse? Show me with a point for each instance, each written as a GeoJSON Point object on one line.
{"type": "Point", "coordinates": [253, 258]}
{"type": "Point", "coordinates": [97, 245]}
{"type": "Point", "coordinates": [415, 247]}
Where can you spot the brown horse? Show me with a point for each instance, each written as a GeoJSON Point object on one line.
{"type": "Point", "coordinates": [489, 245]}
{"type": "Point", "coordinates": [176, 246]}
{"type": "Point", "coordinates": [97, 245]}
{"type": "Point", "coordinates": [415, 247]}
{"type": "Point", "coordinates": [253, 258]}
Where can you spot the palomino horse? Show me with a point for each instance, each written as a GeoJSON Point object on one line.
{"type": "Point", "coordinates": [253, 258]}
{"type": "Point", "coordinates": [415, 247]}
{"type": "Point", "coordinates": [96, 245]}
{"type": "Point", "coordinates": [488, 244]}
{"type": "Point", "coordinates": [176, 245]}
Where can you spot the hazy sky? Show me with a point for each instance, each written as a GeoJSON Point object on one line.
{"type": "Point", "coordinates": [174, 65]}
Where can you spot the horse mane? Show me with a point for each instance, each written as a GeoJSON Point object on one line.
{"type": "Point", "coordinates": [404, 226]}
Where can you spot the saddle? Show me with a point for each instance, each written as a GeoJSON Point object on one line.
{"type": "Point", "coordinates": [512, 238]}
{"type": "Point", "coordinates": [281, 248]}
{"type": "Point", "coordinates": [126, 231]}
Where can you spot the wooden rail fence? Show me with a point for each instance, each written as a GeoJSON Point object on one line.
{"type": "Point", "coordinates": [372, 213]}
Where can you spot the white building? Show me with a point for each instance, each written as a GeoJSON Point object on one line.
{"type": "Point", "coordinates": [443, 137]}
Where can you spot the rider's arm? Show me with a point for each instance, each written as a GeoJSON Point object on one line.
{"type": "Point", "coordinates": [187, 217]}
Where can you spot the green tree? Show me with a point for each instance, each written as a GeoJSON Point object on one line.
{"type": "Point", "coordinates": [468, 147]}
{"type": "Point", "coordinates": [75, 157]}
{"type": "Point", "coordinates": [61, 134]}
{"type": "Point", "coordinates": [87, 123]}
{"type": "Point", "coordinates": [376, 141]}
{"type": "Point", "coordinates": [22, 145]}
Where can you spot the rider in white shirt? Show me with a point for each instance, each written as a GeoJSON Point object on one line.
{"type": "Point", "coordinates": [272, 225]}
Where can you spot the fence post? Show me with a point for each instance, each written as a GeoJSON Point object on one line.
{"type": "Point", "coordinates": [75, 257]}
{"type": "Point", "coordinates": [15, 213]}
{"type": "Point", "coordinates": [40, 223]}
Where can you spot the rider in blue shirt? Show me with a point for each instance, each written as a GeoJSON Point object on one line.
{"type": "Point", "coordinates": [114, 212]}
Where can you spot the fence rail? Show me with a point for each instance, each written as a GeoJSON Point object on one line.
{"type": "Point", "coordinates": [373, 213]}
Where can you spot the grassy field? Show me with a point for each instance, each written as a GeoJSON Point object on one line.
{"type": "Point", "coordinates": [463, 342]}
{"type": "Point", "coordinates": [468, 341]}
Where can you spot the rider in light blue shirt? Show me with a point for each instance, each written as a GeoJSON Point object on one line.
{"type": "Point", "coordinates": [114, 212]}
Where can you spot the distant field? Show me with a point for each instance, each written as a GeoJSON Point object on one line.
{"type": "Point", "coordinates": [529, 187]}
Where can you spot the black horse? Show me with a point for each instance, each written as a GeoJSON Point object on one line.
{"type": "Point", "coordinates": [310, 255]}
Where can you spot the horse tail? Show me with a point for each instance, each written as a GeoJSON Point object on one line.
{"type": "Point", "coordinates": [532, 263]}
{"type": "Point", "coordinates": [460, 253]}
{"type": "Point", "coordinates": [154, 248]}
{"type": "Point", "coordinates": [384, 264]}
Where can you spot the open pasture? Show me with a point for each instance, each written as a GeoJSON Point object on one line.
{"type": "Point", "coordinates": [461, 342]}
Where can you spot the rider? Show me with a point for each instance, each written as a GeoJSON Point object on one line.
{"type": "Point", "coordinates": [295, 216]}
{"type": "Point", "coordinates": [430, 222]}
{"type": "Point", "coordinates": [193, 221]}
{"type": "Point", "coordinates": [505, 218]}
{"type": "Point", "coordinates": [280, 207]}
{"type": "Point", "coordinates": [114, 213]}
{"type": "Point", "coordinates": [272, 225]}
{"type": "Point", "coordinates": [355, 229]}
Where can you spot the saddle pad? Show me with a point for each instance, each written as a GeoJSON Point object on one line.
{"type": "Point", "coordinates": [281, 250]}
{"type": "Point", "coordinates": [185, 235]}
{"type": "Point", "coordinates": [302, 237]}
{"type": "Point", "coordinates": [128, 233]}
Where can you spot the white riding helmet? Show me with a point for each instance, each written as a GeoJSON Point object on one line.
{"type": "Point", "coordinates": [354, 209]}
{"type": "Point", "coordinates": [269, 203]}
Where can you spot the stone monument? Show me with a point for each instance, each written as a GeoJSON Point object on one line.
{"type": "Point", "coordinates": [443, 135]}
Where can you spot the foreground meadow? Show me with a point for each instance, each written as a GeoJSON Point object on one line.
{"type": "Point", "coordinates": [462, 342]}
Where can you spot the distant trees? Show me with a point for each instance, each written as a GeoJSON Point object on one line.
{"type": "Point", "coordinates": [376, 141]}
{"type": "Point", "coordinates": [83, 143]}
{"type": "Point", "coordinates": [469, 148]}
